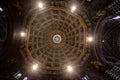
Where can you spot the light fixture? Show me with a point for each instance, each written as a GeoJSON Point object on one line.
{"type": "Point", "coordinates": [90, 39]}
{"type": "Point", "coordinates": [1, 9]}
{"type": "Point", "coordinates": [25, 78]}
{"type": "Point", "coordinates": [40, 5]}
{"type": "Point", "coordinates": [22, 34]}
{"type": "Point", "coordinates": [34, 67]}
{"type": "Point", "coordinates": [69, 68]}
{"type": "Point", "coordinates": [73, 8]}
{"type": "Point", "coordinates": [115, 18]}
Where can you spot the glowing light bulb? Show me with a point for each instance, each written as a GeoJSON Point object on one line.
{"type": "Point", "coordinates": [40, 5]}
{"type": "Point", "coordinates": [90, 39]}
{"type": "Point", "coordinates": [22, 34]}
{"type": "Point", "coordinates": [69, 69]}
{"type": "Point", "coordinates": [73, 8]}
{"type": "Point", "coordinates": [35, 67]}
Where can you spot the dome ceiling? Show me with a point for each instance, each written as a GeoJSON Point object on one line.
{"type": "Point", "coordinates": [56, 37]}
{"type": "Point", "coordinates": [59, 39]}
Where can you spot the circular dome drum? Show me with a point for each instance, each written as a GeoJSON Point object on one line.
{"type": "Point", "coordinates": [108, 40]}
{"type": "Point", "coordinates": [56, 38]}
